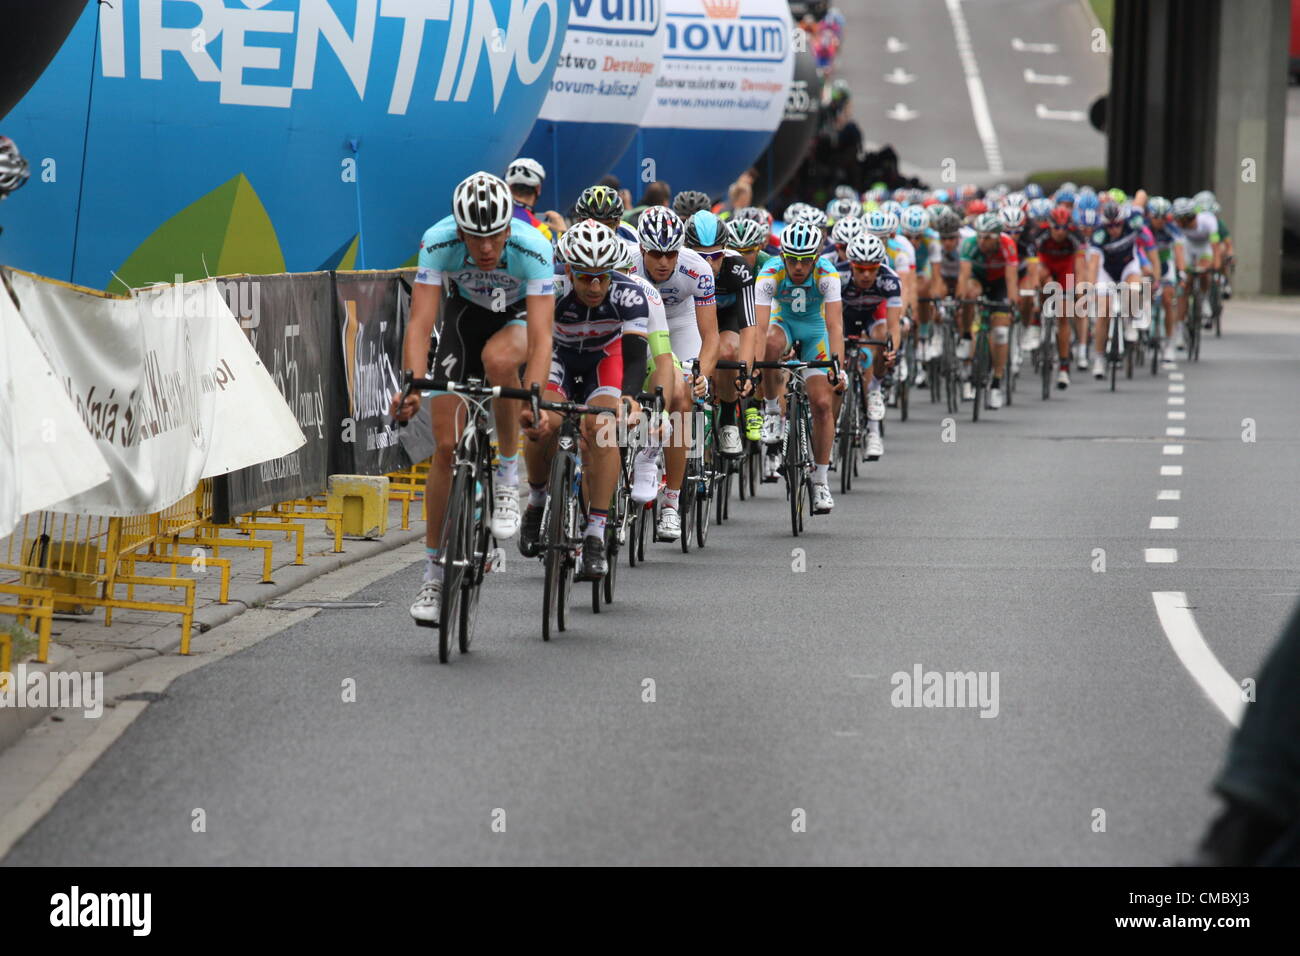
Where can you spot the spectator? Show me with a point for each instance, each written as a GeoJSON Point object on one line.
{"type": "Point", "coordinates": [657, 193]}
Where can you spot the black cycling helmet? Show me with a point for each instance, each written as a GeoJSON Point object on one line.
{"type": "Point", "coordinates": [599, 202]}
{"type": "Point", "coordinates": [688, 202]}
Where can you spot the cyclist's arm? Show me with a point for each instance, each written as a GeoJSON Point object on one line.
{"type": "Point", "coordinates": [893, 319]}
{"type": "Point", "coordinates": [835, 329]}
{"type": "Point", "coordinates": [426, 304]}
{"type": "Point", "coordinates": [963, 279]}
{"type": "Point", "coordinates": [541, 323]}
{"type": "Point", "coordinates": [1013, 283]}
{"type": "Point", "coordinates": [706, 317]}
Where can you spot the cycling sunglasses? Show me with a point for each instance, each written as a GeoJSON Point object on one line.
{"type": "Point", "coordinates": [586, 274]}
{"type": "Point", "coordinates": [713, 255]}
{"type": "Point", "coordinates": [813, 257]}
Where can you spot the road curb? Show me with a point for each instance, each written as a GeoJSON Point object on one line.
{"type": "Point", "coordinates": [15, 721]}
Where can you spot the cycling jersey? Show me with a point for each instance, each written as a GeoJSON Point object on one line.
{"type": "Point", "coordinates": [587, 359]}
{"type": "Point", "coordinates": [984, 267]}
{"type": "Point", "coordinates": [801, 305]}
{"type": "Point", "coordinates": [902, 255]}
{"type": "Point", "coordinates": [632, 307]}
{"type": "Point", "coordinates": [525, 268]}
{"type": "Point", "coordinates": [950, 259]}
{"type": "Point", "coordinates": [1166, 237]}
{"type": "Point", "coordinates": [1117, 252]}
{"type": "Point", "coordinates": [1205, 229]}
{"type": "Point", "coordinates": [735, 293]}
{"type": "Point", "coordinates": [864, 307]}
{"type": "Point", "coordinates": [927, 250]}
{"type": "Point", "coordinates": [690, 284]}
{"type": "Point", "coordinates": [525, 214]}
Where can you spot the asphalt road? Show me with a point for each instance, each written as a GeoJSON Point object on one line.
{"type": "Point", "coordinates": [1006, 38]}
{"type": "Point", "coordinates": [773, 687]}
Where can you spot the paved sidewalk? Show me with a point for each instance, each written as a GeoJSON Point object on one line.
{"type": "Point", "coordinates": [83, 643]}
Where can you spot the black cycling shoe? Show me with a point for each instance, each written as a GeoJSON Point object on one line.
{"type": "Point", "coordinates": [530, 530]}
{"type": "Point", "coordinates": [593, 559]}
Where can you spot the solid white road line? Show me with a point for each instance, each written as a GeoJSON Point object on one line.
{"type": "Point", "coordinates": [1171, 471]}
{"type": "Point", "coordinates": [1160, 555]}
{"type": "Point", "coordinates": [1169, 494]}
{"type": "Point", "coordinates": [975, 87]}
{"type": "Point", "coordinates": [1181, 630]}
{"type": "Point", "coordinates": [1164, 522]}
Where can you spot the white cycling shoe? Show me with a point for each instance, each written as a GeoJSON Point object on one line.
{"type": "Point", "coordinates": [670, 525]}
{"type": "Point", "coordinates": [1098, 367]}
{"type": "Point", "coordinates": [875, 405]}
{"type": "Point", "coordinates": [995, 398]}
{"type": "Point", "coordinates": [1031, 338]}
{"type": "Point", "coordinates": [771, 428]}
{"type": "Point", "coordinates": [729, 439]}
{"type": "Point", "coordinates": [964, 349]}
{"type": "Point", "coordinates": [822, 502]}
{"type": "Point", "coordinates": [645, 478]}
{"type": "Point", "coordinates": [875, 447]}
{"type": "Point", "coordinates": [428, 603]}
{"type": "Point", "coordinates": [505, 512]}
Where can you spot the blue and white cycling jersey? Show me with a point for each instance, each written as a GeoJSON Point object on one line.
{"type": "Point", "coordinates": [526, 266]}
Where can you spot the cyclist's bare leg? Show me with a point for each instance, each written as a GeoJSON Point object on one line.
{"type": "Point", "coordinates": [823, 430]}
{"type": "Point", "coordinates": [449, 417]}
{"type": "Point", "coordinates": [502, 356]}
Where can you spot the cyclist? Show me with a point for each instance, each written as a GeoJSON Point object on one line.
{"type": "Point", "coordinates": [803, 282]}
{"type": "Point", "coordinates": [605, 205]}
{"type": "Point", "coordinates": [525, 177]}
{"type": "Point", "coordinates": [916, 223]}
{"type": "Point", "coordinates": [604, 323]}
{"type": "Point", "coordinates": [499, 286]}
{"type": "Point", "coordinates": [737, 335]}
{"type": "Point", "coordinates": [1061, 256]}
{"type": "Point", "coordinates": [989, 265]}
{"type": "Point", "coordinates": [747, 236]}
{"type": "Point", "coordinates": [1015, 223]}
{"type": "Point", "coordinates": [1116, 241]}
{"type": "Point", "coordinates": [1204, 246]}
{"type": "Point", "coordinates": [1173, 261]}
{"type": "Point", "coordinates": [873, 307]}
{"type": "Point", "coordinates": [1206, 202]}
{"type": "Point", "coordinates": [685, 282]}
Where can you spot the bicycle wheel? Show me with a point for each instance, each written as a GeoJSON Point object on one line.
{"type": "Point", "coordinates": [1216, 304]}
{"type": "Point", "coordinates": [1047, 356]}
{"type": "Point", "coordinates": [454, 546]}
{"type": "Point", "coordinates": [844, 440]}
{"type": "Point", "coordinates": [793, 469]}
{"type": "Point", "coordinates": [612, 549]}
{"type": "Point", "coordinates": [555, 542]}
{"type": "Point", "coordinates": [979, 369]}
{"type": "Point", "coordinates": [704, 512]}
{"type": "Point", "coordinates": [1113, 355]}
{"type": "Point", "coordinates": [483, 543]}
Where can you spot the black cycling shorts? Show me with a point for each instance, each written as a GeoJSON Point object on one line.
{"type": "Point", "coordinates": [465, 330]}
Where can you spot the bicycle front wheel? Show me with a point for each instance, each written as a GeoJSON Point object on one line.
{"type": "Point", "coordinates": [454, 547]}
{"type": "Point", "coordinates": [555, 541]}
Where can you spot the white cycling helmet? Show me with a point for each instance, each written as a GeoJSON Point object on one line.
{"type": "Point", "coordinates": [592, 245]}
{"type": "Point", "coordinates": [866, 249]}
{"type": "Point", "coordinates": [13, 168]}
{"type": "Point", "coordinates": [801, 238]}
{"type": "Point", "coordinates": [525, 172]}
{"type": "Point", "coordinates": [660, 230]}
{"type": "Point", "coordinates": [482, 205]}
{"type": "Point", "coordinates": [844, 231]}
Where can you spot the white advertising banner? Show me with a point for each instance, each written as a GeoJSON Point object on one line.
{"type": "Point", "coordinates": [727, 65]}
{"type": "Point", "coordinates": [46, 454]}
{"type": "Point", "coordinates": [606, 71]}
{"type": "Point", "coordinates": [165, 382]}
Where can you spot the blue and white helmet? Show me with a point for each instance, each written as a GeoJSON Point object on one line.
{"type": "Point", "coordinates": [881, 222]}
{"type": "Point", "coordinates": [915, 220]}
{"type": "Point", "coordinates": [660, 230]}
{"type": "Point", "coordinates": [801, 238]}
